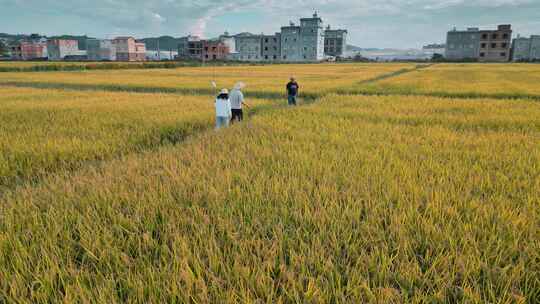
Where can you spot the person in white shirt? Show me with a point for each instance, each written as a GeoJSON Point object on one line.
{"type": "Point", "coordinates": [223, 109]}
{"type": "Point", "coordinates": [237, 101]}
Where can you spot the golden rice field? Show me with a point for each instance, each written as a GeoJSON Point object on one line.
{"type": "Point", "coordinates": [465, 80]}
{"type": "Point", "coordinates": [131, 197]}
{"type": "Point", "coordinates": [261, 80]}
{"type": "Point", "coordinates": [44, 131]}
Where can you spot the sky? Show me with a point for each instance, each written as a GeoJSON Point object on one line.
{"type": "Point", "coordinates": [371, 23]}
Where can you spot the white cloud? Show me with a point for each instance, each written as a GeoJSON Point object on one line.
{"type": "Point", "coordinates": [384, 18]}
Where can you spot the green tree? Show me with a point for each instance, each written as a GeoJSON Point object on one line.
{"type": "Point", "coordinates": [3, 48]}
{"type": "Point", "coordinates": [437, 58]}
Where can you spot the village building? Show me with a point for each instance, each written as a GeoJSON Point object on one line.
{"type": "Point", "coordinates": [214, 50]}
{"type": "Point", "coordinates": [229, 40]}
{"type": "Point", "coordinates": [526, 49]}
{"type": "Point", "coordinates": [291, 43]}
{"type": "Point", "coordinates": [271, 47]}
{"type": "Point", "coordinates": [335, 42]}
{"type": "Point", "coordinates": [480, 45]}
{"type": "Point", "coordinates": [128, 49]}
{"type": "Point", "coordinates": [190, 47]}
{"type": "Point", "coordinates": [101, 50]}
{"type": "Point", "coordinates": [58, 49]}
{"type": "Point", "coordinates": [248, 47]}
{"type": "Point", "coordinates": [29, 50]}
{"type": "Point", "coordinates": [304, 42]}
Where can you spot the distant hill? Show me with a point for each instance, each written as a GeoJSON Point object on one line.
{"type": "Point", "coordinates": [18, 37]}
{"type": "Point", "coordinates": [353, 48]}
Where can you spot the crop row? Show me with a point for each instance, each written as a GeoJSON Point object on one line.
{"type": "Point", "coordinates": [352, 199]}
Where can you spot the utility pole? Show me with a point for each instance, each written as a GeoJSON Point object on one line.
{"type": "Point", "coordinates": [158, 50]}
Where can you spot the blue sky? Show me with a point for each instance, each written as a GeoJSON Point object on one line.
{"type": "Point", "coordinates": [371, 23]}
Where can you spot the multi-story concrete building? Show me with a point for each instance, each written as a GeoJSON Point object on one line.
{"type": "Point", "coordinates": [58, 49]}
{"type": "Point", "coordinates": [463, 45]}
{"type": "Point", "coordinates": [271, 47]}
{"type": "Point", "coordinates": [190, 47]}
{"type": "Point", "coordinates": [495, 44]}
{"type": "Point", "coordinates": [335, 42]}
{"type": "Point", "coordinates": [229, 40]}
{"type": "Point", "coordinates": [29, 50]}
{"type": "Point", "coordinates": [291, 44]}
{"type": "Point", "coordinates": [195, 49]}
{"type": "Point", "coordinates": [481, 45]}
{"type": "Point", "coordinates": [312, 38]}
{"type": "Point", "coordinates": [304, 42]}
{"type": "Point", "coordinates": [526, 49]}
{"type": "Point", "coordinates": [215, 50]}
{"type": "Point", "coordinates": [100, 50]}
{"type": "Point", "coordinates": [248, 47]}
{"type": "Point", "coordinates": [128, 49]}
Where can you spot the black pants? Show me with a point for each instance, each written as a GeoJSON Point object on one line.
{"type": "Point", "coordinates": [237, 115]}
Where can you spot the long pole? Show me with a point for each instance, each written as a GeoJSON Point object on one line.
{"type": "Point", "coordinates": [158, 50]}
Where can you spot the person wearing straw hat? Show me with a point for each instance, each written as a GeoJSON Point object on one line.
{"type": "Point", "coordinates": [223, 109]}
{"type": "Point", "coordinates": [237, 101]}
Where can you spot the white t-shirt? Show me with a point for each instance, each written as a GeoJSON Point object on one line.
{"type": "Point", "coordinates": [223, 108]}
{"type": "Point", "coordinates": [237, 98]}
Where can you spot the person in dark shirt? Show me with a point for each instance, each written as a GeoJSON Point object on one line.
{"type": "Point", "coordinates": [292, 91]}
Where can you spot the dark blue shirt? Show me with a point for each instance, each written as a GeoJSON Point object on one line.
{"type": "Point", "coordinates": [292, 88]}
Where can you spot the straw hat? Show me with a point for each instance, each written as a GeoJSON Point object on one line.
{"type": "Point", "coordinates": [224, 91]}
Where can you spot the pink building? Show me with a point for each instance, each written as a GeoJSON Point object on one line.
{"type": "Point", "coordinates": [128, 49]}
{"type": "Point", "coordinates": [29, 51]}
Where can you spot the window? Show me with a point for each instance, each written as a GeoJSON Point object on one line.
{"type": "Point", "coordinates": [284, 56]}
{"type": "Point", "coordinates": [482, 55]}
{"type": "Point", "coordinates": [266, 48]}
{"type": "Point", "coordinates": [504, 45]}
{"type": "Point", "coordinates": [275, 39]}
{"type": "Point", "coordinates": [484, 36]}
{"type": "Point", "coordinates": [483, 45]}
{"type": "Point", "coordinates": [214, 57]}
{"type": "Point", "coordinates": [494, 36]}
{"type": "Point", "coordinates": [503, 54]}
{"type": "Point", "coordinates": [275, 57]}
{"type": "Point", "coordinates": [266, 57]}
{"type": "Point", "coordinates": [266, 40]}
{"type": "Point", "coordinates": [493, 45]}
{"type": "Point", "coordinates": [505, 36]}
